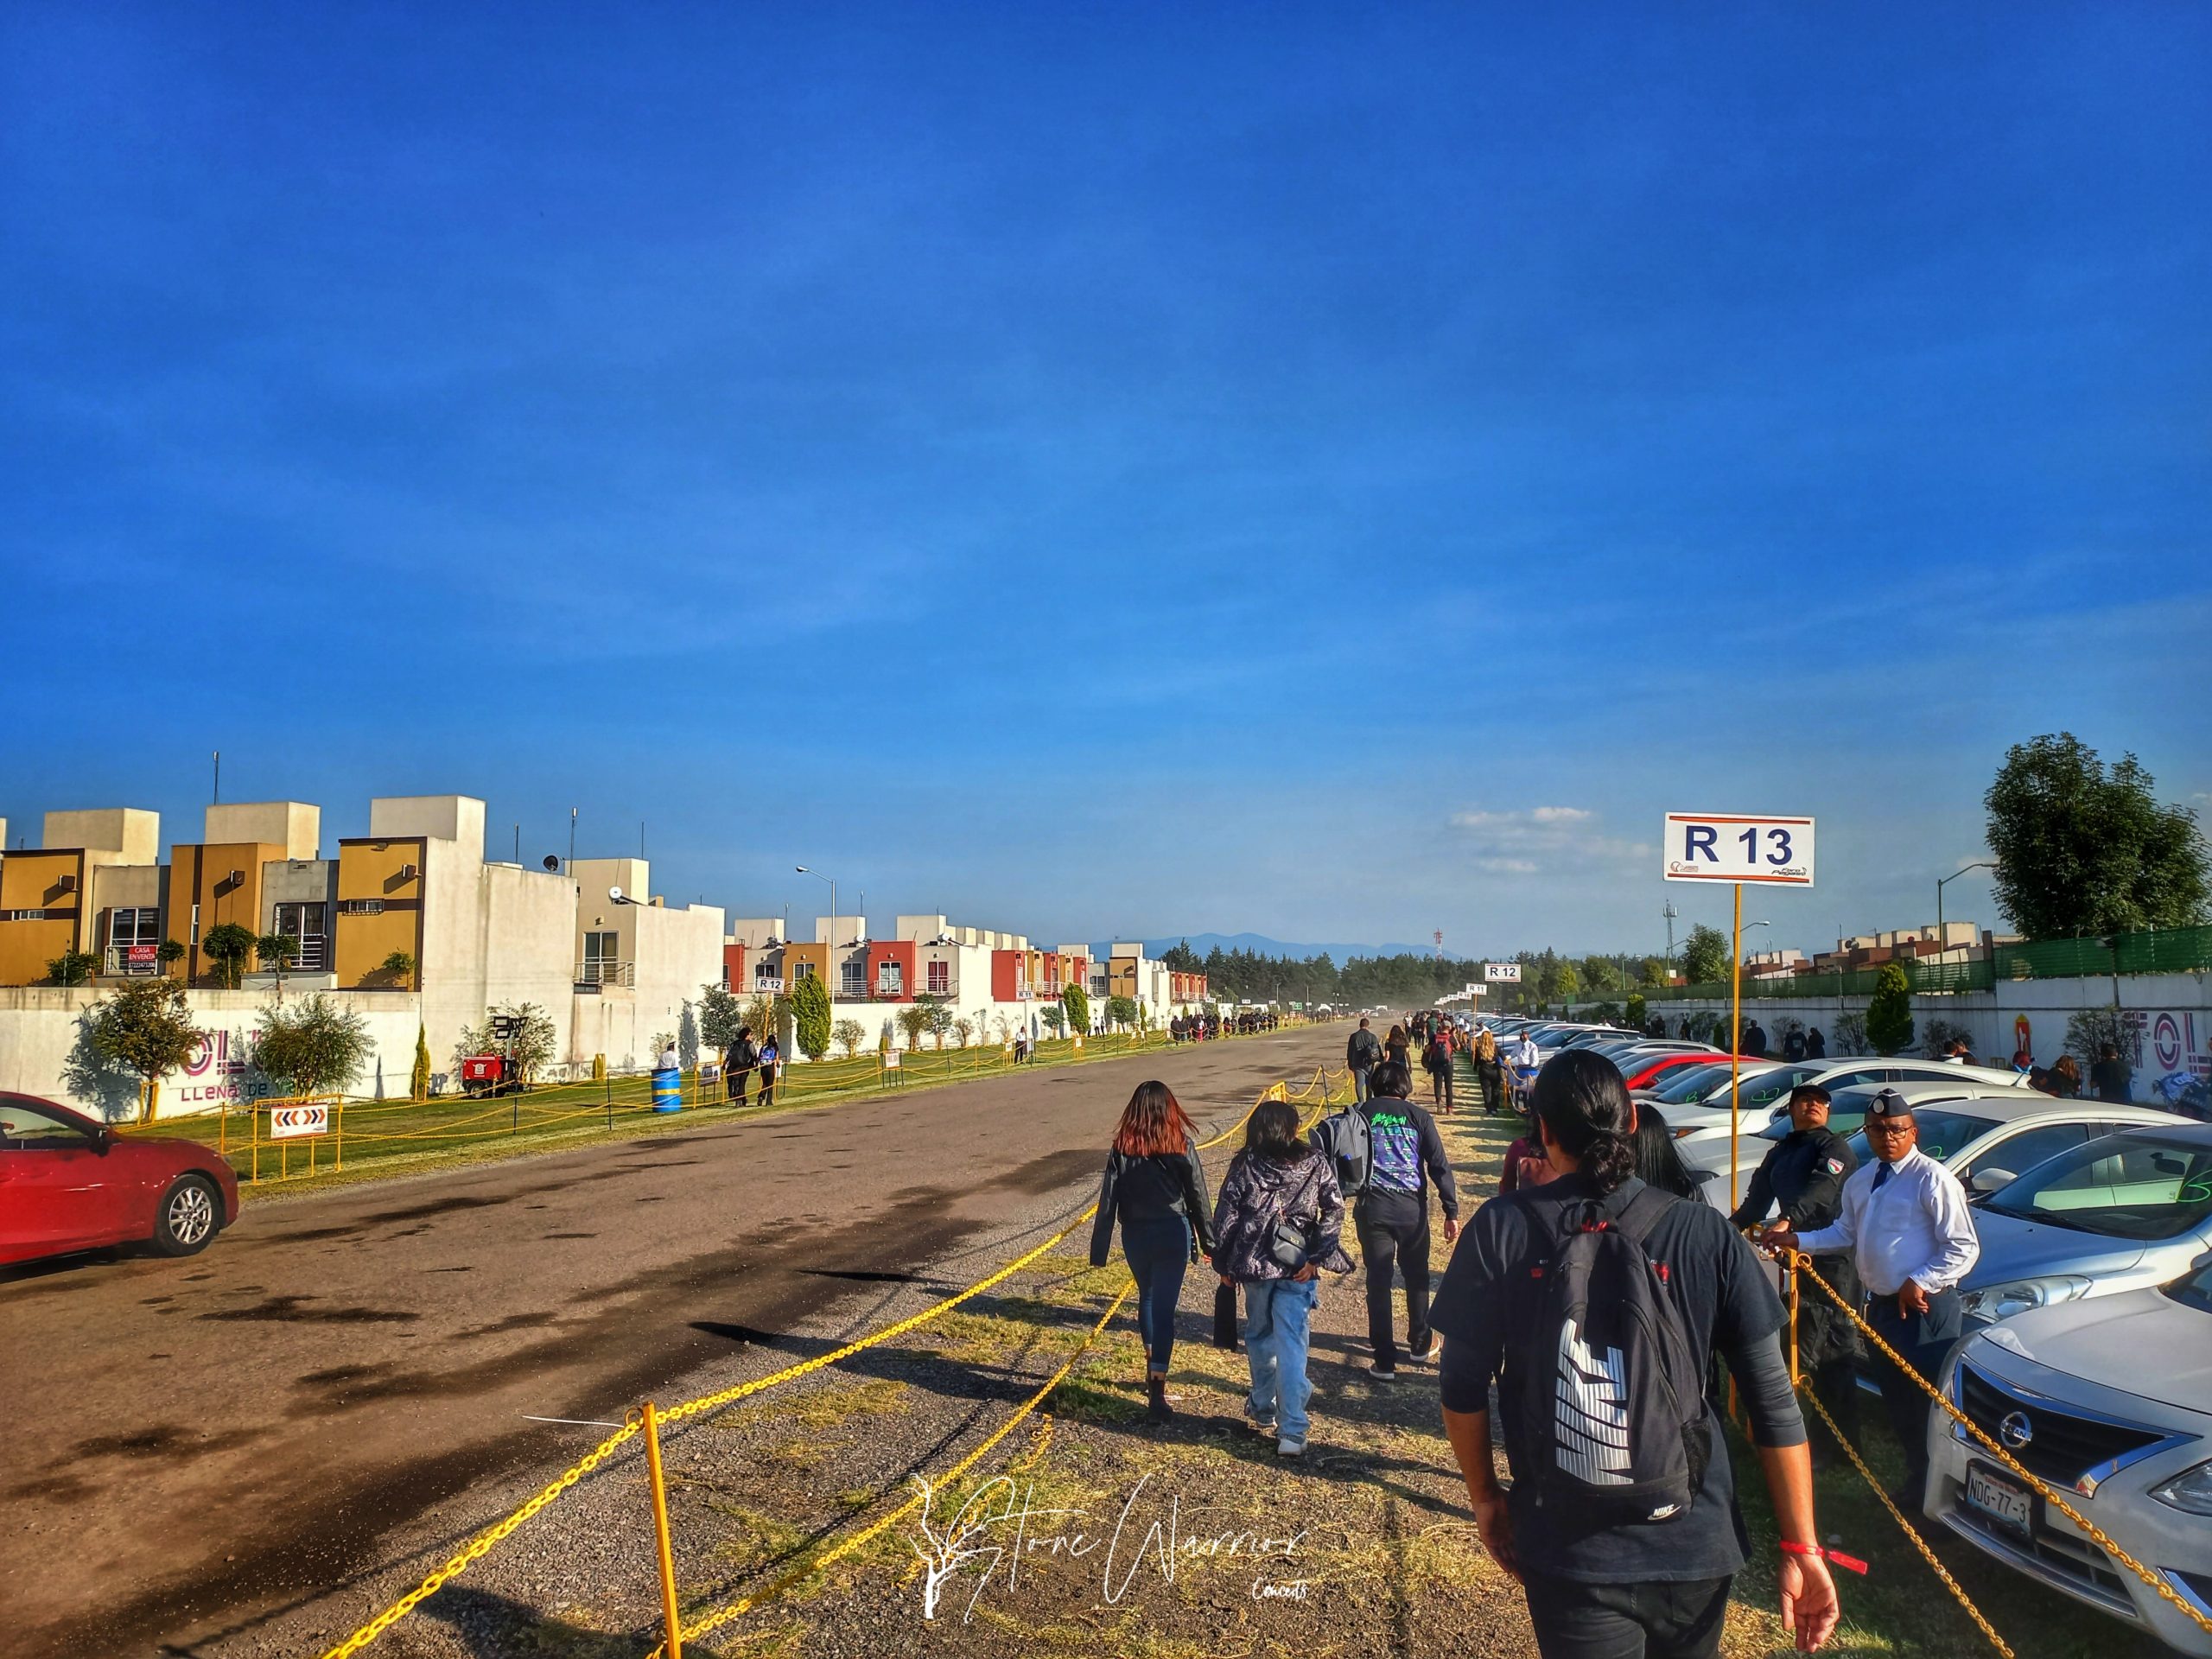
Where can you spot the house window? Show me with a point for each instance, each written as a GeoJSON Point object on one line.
{"type": "Point", "coordinates": [802, 970]}
{"type": "Point", "coordinates": [307, 924]}
{"type": "Point", "coordinates": [195, 927]}
{"type": "Point", "coordinates": [602, 962]}
{"type": "Point", "coordinates": [890, 979]}
{"type": "Point", "coordinates": [27, 915]}
{"type": "Point", "coordinates": [940, 978]}
{"type": "Point", "coordinates": [854, 979]}
{"type": "Point", "coordinates": [764, 975]}
{"type": "Point", "coordinates": [346, 907]}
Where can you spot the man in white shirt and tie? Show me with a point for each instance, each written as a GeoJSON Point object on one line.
{"type": "Point", "coordinates": [1905, 1222]}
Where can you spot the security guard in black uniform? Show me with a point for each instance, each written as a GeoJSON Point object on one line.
{"type": "Point", "coordinates": [1804, 1174]}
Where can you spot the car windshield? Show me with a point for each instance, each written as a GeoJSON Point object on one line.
{"type": "Point", "coordinates": [2145, 1187]}
{"type": "Point", "coordinates": [2195, 1291]}
{"type": "Point", "coordinates": [1941, 1134]}
{"type": "Point", "coordinates": [1768, 1089]}
{"type": "Point", "coordinates": [1689, 1083]}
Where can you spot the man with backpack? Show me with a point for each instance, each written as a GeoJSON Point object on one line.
{"type": "Point", "coordinates": [1596, 1303]}
{"type": "Point", "coordinates": [1361, 1050]}
{"type": "Point", "coordinates": [1388, 1150]}
{"type": "Point", "coordinates": [1436, 1060]}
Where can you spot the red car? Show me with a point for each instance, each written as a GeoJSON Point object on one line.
{"type": "Point", "coordinates": [68, 1183]}
{"type": "Point", "coordinates": [1654, 1068]}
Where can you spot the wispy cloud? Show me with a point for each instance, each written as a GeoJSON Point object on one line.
{"type": "Point", "coordinates": [1545, 838]}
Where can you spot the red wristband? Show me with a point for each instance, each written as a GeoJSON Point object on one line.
{"type": "Point", "coordinates": [1834, 1557]}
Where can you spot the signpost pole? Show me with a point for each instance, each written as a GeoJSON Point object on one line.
{"type": "Point", "coordinates": [1735, 1044]}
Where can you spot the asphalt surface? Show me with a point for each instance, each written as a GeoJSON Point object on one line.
{"type": "Point", "coordinates": [195, 1442]}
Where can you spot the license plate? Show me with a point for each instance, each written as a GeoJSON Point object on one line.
{"type": "Point", "coordinates": [2004, 1500]}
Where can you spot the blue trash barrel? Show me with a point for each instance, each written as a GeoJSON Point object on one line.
{"type": "Point", "coordinates": [667, 1091]}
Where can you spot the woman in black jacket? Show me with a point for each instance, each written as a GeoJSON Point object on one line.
{"type": "Point", "coordinates": [1156, 1188]}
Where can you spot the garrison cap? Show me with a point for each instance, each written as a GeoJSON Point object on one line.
{"type": "Point", "coordinates": [1890, 1103]}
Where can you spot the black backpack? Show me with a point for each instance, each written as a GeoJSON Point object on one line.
{"type": "Point", "coordinates": [1610, 1424]}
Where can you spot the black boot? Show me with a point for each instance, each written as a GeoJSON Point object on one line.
{"type": "Point", "coordinates": [1157, 1408]}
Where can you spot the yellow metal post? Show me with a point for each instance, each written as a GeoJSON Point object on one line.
{"type": "Point", "coordinates": [1735, 1042]}
{"type": "Point", "coordinates": [674, 1627]}
{"type": "Point", "coordinates": [1792, 1271]}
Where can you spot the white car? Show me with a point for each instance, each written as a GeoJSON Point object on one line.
{"type": "Point", "coordinates": [1701, 1131]}
{"type": "Point", "coordinates": [1986, 1136]}
{"type": "Point", "coordinates": [2110, 1401]}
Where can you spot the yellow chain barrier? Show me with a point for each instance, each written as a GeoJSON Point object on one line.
{"type": "Point", "coordinates": [486, 1540]}
{"type": "Point", "coordinates": [2155, 1580]}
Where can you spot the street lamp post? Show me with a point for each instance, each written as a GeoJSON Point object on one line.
{"type": "Point", "coordinates": [1942, 943]}
{"type": "Point", "coordinates": [829, 945]}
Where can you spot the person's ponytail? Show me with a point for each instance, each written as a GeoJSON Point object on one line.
{"type": "Point", "coordinates": [1580, 1099]}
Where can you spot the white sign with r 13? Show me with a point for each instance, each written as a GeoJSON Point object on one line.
{"type": "Point", "coordinates": [1739, 847]}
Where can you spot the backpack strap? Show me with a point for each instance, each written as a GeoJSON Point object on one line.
{"type": "Point", "coordinates": [1640, 1214]}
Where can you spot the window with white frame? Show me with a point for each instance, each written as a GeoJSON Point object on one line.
{"type": "Point", "coordinates": [890, 979]}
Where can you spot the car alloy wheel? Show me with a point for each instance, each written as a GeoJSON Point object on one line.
{"type": "Point", "coordinates": [188, 1217]}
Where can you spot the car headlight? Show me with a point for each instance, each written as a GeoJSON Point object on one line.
{"type": "Point", "coordinates": [1994, 1302]}
{"type": "Point", "coordinates": [2190, 1491]}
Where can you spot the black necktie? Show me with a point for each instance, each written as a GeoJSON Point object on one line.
{"type": "Point", "coordinates": [1884, 1175]}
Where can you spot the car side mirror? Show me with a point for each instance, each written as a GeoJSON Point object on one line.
{"type": "Point", "coordinates": [103, 1140]}
{"type": "Point", "coordinates": [1988, 1180]}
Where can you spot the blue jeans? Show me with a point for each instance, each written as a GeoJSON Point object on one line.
{"type": "Point", "coordinates": [1159, 1252]}
{"type": "Point", "coordinates": [1359, 1076]}
{"type": "Point", "coordinates": [1278, 1331]}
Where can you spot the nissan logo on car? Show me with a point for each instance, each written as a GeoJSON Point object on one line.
{"type": "Point", "coordinates": [2016, 1431]}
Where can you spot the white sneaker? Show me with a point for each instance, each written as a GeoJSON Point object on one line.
{"type": "Point", "coordinates": [1428, 1355]}
{"type": "Point", "coordinates": [1290, 1448]}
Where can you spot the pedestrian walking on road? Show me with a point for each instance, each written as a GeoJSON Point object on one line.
{"type": "Point", "coordinates": [738, 1063]}
{"type": "Point", "coordinates": [772, 1057]}
{"type": "Point", "coordinates": [1155, 1187]}
{"type": "Point", "coordinates": [1803, 1178]}
{"type": "Point", "coordinates": [1564, 1294]}
{"type": "Point", "coordinates": [1362, 1051]}
{"type": "Point", "coordinates": [1436, 1060]}
{"type": "Point", "coordinates": [1277, 1223]}
{"type": "Point", "coordinates": [1390, 1215]}
{"type": "Point", "coordinates": [1904, 1221]}
{"type": "Point", "coordinates": [1398, 1046]}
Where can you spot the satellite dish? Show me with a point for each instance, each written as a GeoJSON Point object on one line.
{"type": "Point", "coordinates": [615, 893]}
{"type": "Point", "coordinates": [552, 860]}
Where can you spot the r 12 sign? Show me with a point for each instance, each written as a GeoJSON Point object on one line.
{"type": "Point", "coordinates": [1739, 847]}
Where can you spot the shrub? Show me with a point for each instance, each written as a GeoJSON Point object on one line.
{"type": "Point", "coordinates": [313, 1046]}
{"type": "Point", "coordinates": [1889, 1012]}
{"type": "Point", "coordinates": [811, 1016]}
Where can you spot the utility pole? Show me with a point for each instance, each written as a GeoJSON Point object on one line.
{"type": "Point", "coordinates": [1670, 912]}
{"type": "Point", "coordinates": [572, 841]}
{"type": "Point", "coordinates": [217, 796]}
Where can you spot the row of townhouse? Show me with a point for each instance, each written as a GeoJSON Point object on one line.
{"type": "Point", "coordinates": [413, 928]}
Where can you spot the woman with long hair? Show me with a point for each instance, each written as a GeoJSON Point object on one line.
{"type": "Point", "coordinates": [1657, 1162]}
{"type": "Point", "coordinates": [1280, 1220]}
{"type": "Point", "coordinates": [1156, 1188]}
{"type": "Point", "coordinates": [1398, 1046]}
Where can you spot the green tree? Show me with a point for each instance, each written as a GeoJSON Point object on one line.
{"type": "Point", "coordinates": [312, 1047]}
{"type": "Point", "coordinates": [227, 945]}
{"type": "Point", "coordinates": [1121, 1011]}
{"type": "Point", "coordinates": [1054, 1017]}
{"type": "Point", "coordinates": [1182, 958]}
{"type": "Point", "coordinates": [1889, 1011]}
{"type": "Point", "coordinates": [963, 1031]}
{"type": "Point", "coordinates": [1602, 974]}
{"type": "Point", "coordinates": [168, 953]}
{"type": "Point", "coordinates": [71, 967]}
{"type": "Point", "coordinates": [721, 1016]}
{"type": "Point", "coordinates": [145, 1025]}
{"type": "Point", "coordinates": [277, 952]}
{"type": "Point", "coordinates": [2082, 849]}
{"type": "Point", "coordinates": [1564, 981]}
{"type": "Point", "coordinates": [1639, 1011]}
{"type": "Point", "coordinates": [848, 1035]}
{"type": "Point", "coordinates": [418, 1075]}
{"type": "Point", "coordinates": [1705, 955]}
{"type": "Point", "coordinates": [1652, 970]}
{"type": "Point", "coordinates": [938, 1013]}
{"type": "Point", "coordinates": [1077, 1001]}
{"type": "Point", "coordinates": [913, 1019]}
{"type": "Point", "coordinates": [811, 1016]}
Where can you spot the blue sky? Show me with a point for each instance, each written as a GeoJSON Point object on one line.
{"type": "Point", "coordinates": [1331, 472]}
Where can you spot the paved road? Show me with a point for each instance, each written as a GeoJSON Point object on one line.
{"type": "Point", "coordinates": [194, 1441]}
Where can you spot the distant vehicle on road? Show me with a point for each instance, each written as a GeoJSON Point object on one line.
{"type": "Point", "coordinates": [68, 1183]}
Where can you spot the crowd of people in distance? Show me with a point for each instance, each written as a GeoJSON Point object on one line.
{"type": "Point", "coordinates": [1621, 1521]}
{"type": "Point", "coordinates": [1201, 1027]}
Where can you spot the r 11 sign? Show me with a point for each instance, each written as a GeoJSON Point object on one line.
{"type": "Point", "coordinates": [1777, 852]}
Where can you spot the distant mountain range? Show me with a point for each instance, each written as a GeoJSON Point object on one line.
{"type": "Point", "coordinates": [1265, 947]}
